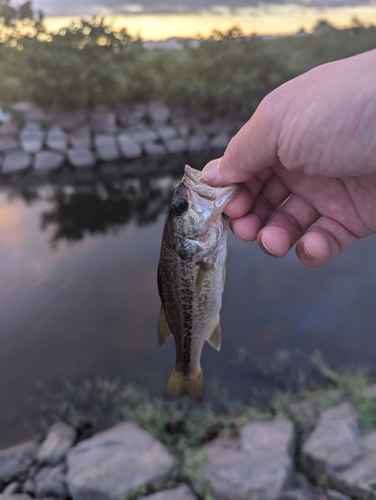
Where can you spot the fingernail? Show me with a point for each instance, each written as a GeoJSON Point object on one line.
{"type": "Point", "coordinates": [266, 247]}
{"type": "Point", "coordinates": [308, 252]}
{"type": "Point", "coordinates": [211, 170]}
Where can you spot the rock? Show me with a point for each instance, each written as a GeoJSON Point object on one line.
{"type": "Point", "coordinates": [5, 117]}
{"type": "Point", "coordinates": [129, 115]}
{"type": "Point", "coordinates": [57, 139]}
{"type": "Point", "coordinates": [9, 129]}
{"type": "Point", "coordinates": [166, 133]}
{"type": "Point", "coordinates": [370, 391]}
{"type": "Point", "coordinates": [51, 481]}
{"type": "Point", "coordinates": [81, 138]}
{"type": "Point", "coordinates": [32, 138]}
{"type": "Point", "coordinates": [81, 158]}
{"type": "Point", "coordinates": [296, 494]}
{"type": "Point", "coordinates": [15, 461]}
{"type": "Point", "coordinates": [257, 466]}
{"type": "Point", "coordinates": [197, 142]}
{"type": "Point", "coordinates": [305, 416]}
{"type": "Point", "coordinates": [71, 120]}
{"type": "Point", "coordinates": [103, 121]}
{"type": "Point", "coordinates": [21, 496]}
{"type": "Point", "coordinates": [59, 439]}
{"type": "Point", "coordinates": [181, 492]}
{"type": "Point", "coordinates": [142, 135]}
{"type": "Point", "coordinates": [7, 144]}
{"type": "Point", "coordinates": [335, 495]}
{"type": "Point", "coordinates": [128, 147]}
{"type": "Point", "coordinates": [176, 146]}
{"type": "Point", "coordinates": [154, 149]}
{"type": "Point", "coordinates": [15, 162]}
{"type": "Point", "coordinates": [48, 160]}
{"type": "Point", "coordinates": [29, 487]}
{"type": "Point", "coordinates": [220, 141]}
{"type": "Point", "coordinates": [158, 112]}
{"type": "Point", "coordinates": [106, 147]}
{"type": "Point", "coordinates": [14, 487]}
{"type": "Point", "coordinates": [334, 443]}
{"type": "Point", "coordinates": [114, 462]}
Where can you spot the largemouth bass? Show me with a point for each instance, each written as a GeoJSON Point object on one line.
{"type": "Point", "coordinates": [191, 276]}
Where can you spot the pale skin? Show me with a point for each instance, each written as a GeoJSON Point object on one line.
{"type": "Point", "coordinates": [307, 161]}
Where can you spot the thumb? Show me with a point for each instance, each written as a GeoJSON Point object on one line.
{"type": "Point", "coordinates": [252, 149]}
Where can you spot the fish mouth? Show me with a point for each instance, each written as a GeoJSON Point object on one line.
{"type": "Point", "coordinates": [217, 196]}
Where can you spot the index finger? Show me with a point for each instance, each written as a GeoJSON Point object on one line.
{"type": "Point", "coordinates": [252, 149]}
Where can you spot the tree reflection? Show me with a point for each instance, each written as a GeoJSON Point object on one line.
{"type": "Point", "coordinates": [105, 206]}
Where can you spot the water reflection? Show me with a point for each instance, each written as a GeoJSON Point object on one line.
{"type": "Point", "coordinates": [88, 306]}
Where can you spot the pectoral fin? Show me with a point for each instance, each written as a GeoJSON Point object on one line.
{"type": "Point", "coordinates": [215, 337]}
{"type": "Point", "coordinates": [201, 278]}
{"type": "Point", "coordinates": [164, 332]}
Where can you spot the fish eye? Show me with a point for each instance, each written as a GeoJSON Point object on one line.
{"type": "Point", "coordinates": [180, 206]}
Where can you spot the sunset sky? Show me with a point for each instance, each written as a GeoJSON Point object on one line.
{"type": "Point", "coordinates": [160, 20]}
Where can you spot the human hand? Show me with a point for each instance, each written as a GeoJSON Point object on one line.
{"type": "Point", "coordinates": [307, 161]}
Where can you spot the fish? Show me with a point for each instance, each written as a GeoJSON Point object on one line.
{"type": "Point", "coordinates": [191, 275]}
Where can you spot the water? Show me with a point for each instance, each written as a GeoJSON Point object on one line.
{"type": "Point", "coordinates": [78, 299]}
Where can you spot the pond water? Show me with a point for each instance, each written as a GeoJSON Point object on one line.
{"type": "Point", "coordinates": [78, 298]}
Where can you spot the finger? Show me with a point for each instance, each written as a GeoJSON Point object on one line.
{"type": "Point", "coordinates": [324, 241]}
{"type": "Point", "coordinates": [244, 199]}
{"type": "Point", "coordinates": [251, 150]}
{"type": "Point", "coordinates": [286, 226]}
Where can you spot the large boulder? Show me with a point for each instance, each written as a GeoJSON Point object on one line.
{"type": "Point", "coordinates": [114, 462]}
{"type": "Point", "coordinates": [15, 461]}
{"type": "Point", "coordinates": [258, 465]}
{"type": "Point", "coordinates": [181, 492]}
{"type": "Point", "coordinates": [15, 162]}
{"type": "Point", "coordinates": [59, 439]}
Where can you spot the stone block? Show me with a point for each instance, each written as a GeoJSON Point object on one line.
{"type": "Point", "coordinates": [57, 139]}
{"type": "Point", "coordinates": [81, 158]}
{"type": "Point", "coordinates": [7, 144]}
{"type": "Point", "coordinates": [15, 461]}
{"type": "Point", "coordinates": [258, 465]}
{"type": "Point", "coordinates": [166, 133]}
{"type": "Point", "coordinates": [81, 138]}
{"type": "Point", "coordinates": [48, 160]}
{"type": "Point", "coordinates": [106, 147]}
{"type": "Point", "coordinates": [128, 147]}
{"type": "Point", "coordinates": [220, 141]}
{"type": "Point", "coordinates": [16, 162]}
{"type": "Point", "coordinates": [60, 437]}
{"type": "Point", "coordinates": [198, 142]}
{"type": "Point", "coordinates": [176, 146]}
{"type": "Point", "coordinates": [70, 120]}
{"type": "Point", "coordinates": [158, 112]}
{"type": "Point", "coordinates": [103, 121]}
{"type": "Point", "coordinates": [114, 462]}
{"type": "Point", "coordinates": [154, 149]}
{"type": "Point", "coordinates": [32, 138]}
{"type": "Point", "coordinates": [181, 492]}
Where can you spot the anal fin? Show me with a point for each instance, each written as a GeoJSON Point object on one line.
{"type": "Point", "coordinates": [214, 338]}
{"type": "Point", "coordinates": [164, 332]}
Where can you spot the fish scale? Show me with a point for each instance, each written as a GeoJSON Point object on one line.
{"type": "Point", "coordinates": [190, 278]}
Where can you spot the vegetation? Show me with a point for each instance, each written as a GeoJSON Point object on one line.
{"type": "Point", "coordinates": [88, 63]}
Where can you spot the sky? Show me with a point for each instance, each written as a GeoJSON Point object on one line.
{"type": "Point", "coordinates": [157, 20]}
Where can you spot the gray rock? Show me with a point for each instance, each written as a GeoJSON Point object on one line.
{"type": "Point", "coordinates": [305, 415]}
{"type": "Point", "coordinates": [116, 461]}
{"type": "Point", "coordinates": [370, 391]}
{"type": "Point", "coordinates": [48, 160]}
{"type": "Point", "coordinates": [103, 121]}
{"type": "Point", "coordinates": [32, 138]}
{"type": "Point", "coordinates": [15, 162]}
{"type": "Point", "coordinates": [220, 141]}
{"type": "Point", "coordinates": [142, 135]}
{"type": "Point", "coordinates": [20, 496]}
{"type": "Point", "coordinates": [7, 144]}
{"type": "Point", "coordinates": [183, 131]}
{"type": "Point", "coordinates": [51, 481]}
{"type": "Point", "coordinates": [14, 487]}
{"type": "Point", "coordinates": [29, 487]}
{"type": "Point", "coordinates": [166, 133]}
{"type": "Point", "coordinates": [154, 149]}
{"type": "Point", "coordinates": [197, 142]}
{"type": "Point", "coordinates": [334, 443]}
{"type": "Point", "coordinates": [81, 158]}
{"type": "Point", "coordinates": [335, 495]}
{"type": "Point", "coordinates": [57, 139]}
{"type": "Point", "coordinates": [59, 439]}
{"type": "Point", "coordinates": [106, 147]}
{"type": "Point", "coordinates": [70, 120]}
{"type": "Point", "coordinates": [15, 461]}
{"type": "Point", "coordinates": [81, 138]}
{"type": "Point", "coordinates": [181, 492]}
{"type": "Point", "coordinates": [129, 148]}
{"type": "Point", "coordinates": [258, 466]}
{"type": "Point", "coordinates": [5, 117]}
{"type": "Point", "coordinates": [296, 494]}
{"type": "Point", "coordinates": [9, 129]}
{"type": "Point", "coordinates": [129, 116]}
{"type": "Point", "coordinates": [159, 112]}
{"type": "Point", "coordinates": [176, 146]}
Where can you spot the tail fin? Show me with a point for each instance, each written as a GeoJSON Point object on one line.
{"type": "Point", "coordinates": [179, 385]}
